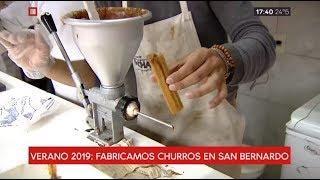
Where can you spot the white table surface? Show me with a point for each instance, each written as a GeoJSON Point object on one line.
{"type": "Point", "coordinates": [58, 129]}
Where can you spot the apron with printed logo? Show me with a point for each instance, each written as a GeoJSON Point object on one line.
{"type": "Point", "coordinates": [195, 125]}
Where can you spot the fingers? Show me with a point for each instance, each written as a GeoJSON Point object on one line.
{"type": "Point", "coordinates": [24, 36]}
{"type": "Point", "coordinates": [199, 67]}
{"type": "Point", "coordinates": [222, 94]}
{"type": "Point", "coordinates": [215, 82]}
{"type": "Point", "coordinates": [19, 52]}
{"type": "Point", "coordinates": [176, 66]}
{"type": "Point", "coordinates": [4, 35]}
{"type": "Point", "coordinates": [40, 41]}
{"type": "Point", "coordinates": [20, 37]}
{"type": "Point", "coordinates": [192, 63]}
{"type": "Point", "coordinates": [4, 40]}
{"type": "Point", "coordinates": [204, 80]}
{"type": "Point", "coordinates": [12, 39]}
{"type": "Point", "coordinates": [202, 72]}
{"type": "Point", "coordinates": [204, 89]}
{"type": "Point", "coordinates": [172, 68]}
{"type": "Point", "coordinates": [6, 44]}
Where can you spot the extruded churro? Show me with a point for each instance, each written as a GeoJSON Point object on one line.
{"type": "Point", "coordinates": [52, 168]}
{"type": "Point", "coordinates": [161, 71]}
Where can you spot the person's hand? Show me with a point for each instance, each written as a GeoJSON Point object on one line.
{"type": "Point", "coordinates": [4, 4]}
{"type": "Point", "coordinates": [27, 49]}
{"type": "Point", "coordinates": [203, 67]}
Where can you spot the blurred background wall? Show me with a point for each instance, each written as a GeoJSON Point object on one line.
{"type": "Point", "coordinates": [293, 80]}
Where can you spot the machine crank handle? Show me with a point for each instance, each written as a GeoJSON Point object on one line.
{"type": "Point", "coordinates": [156, 120]}
{"type": "Point", "coordinates": [130, 108]}
{"type": "Point", "coordinates": [48, 22]}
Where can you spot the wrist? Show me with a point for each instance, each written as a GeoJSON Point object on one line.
{"type": "Point", "coordinates": [33, 74]}
{"type": "Point", "coordinates": [227, 59]}
{"type": "Point", "coordinates": [47, 67]}
{"type": "Point", "coordinates": [219, 54]}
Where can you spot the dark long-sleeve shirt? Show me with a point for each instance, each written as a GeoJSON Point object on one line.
{"type": "Point", "coordinates": [252, 46]}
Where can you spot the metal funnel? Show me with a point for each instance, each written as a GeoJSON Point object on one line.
{"type": "Point", "coordinates": [109, 44]}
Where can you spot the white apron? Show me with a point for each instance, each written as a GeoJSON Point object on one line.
{"type": "Point", "coordinates": [195, 125]}
{"type": "Point", "coordinates": [175, 38]}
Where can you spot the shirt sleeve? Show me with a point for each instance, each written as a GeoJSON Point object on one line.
{"type": "Point", "coordinates": [252, 46]}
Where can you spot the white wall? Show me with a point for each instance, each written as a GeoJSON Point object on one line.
{"type": "Point", "coordinates": [293, 80]}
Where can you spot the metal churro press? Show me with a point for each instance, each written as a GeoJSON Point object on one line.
{"type": "Point", "coordinates": [108, 46]}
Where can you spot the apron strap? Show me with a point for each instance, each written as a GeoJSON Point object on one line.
{"type": "Point", "coordinates": [183, 6]}
{"type": "Point", "coordinates": [124, 4]}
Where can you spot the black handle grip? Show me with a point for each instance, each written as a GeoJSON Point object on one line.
{"type": "Point", "coordinates": [48, 22]}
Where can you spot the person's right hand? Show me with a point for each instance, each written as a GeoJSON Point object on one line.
{"type": "Point", "coordinates": [27, 49]}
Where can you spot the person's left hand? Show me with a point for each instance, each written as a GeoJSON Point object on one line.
{"type": "Point", "coordinates": [4, 4]}
{"type": "Point", "coordinates": [203, 67]}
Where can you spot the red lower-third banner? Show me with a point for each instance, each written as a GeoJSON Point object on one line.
{"type": "Point", "coordinates": [159, 155]}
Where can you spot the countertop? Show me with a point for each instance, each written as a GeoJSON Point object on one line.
{"type": "Point", "coordinates": [58, 129]}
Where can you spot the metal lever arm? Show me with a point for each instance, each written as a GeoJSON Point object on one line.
{"type": "Point", "coordinates": [130, 108]}
{"type": "Point", "coordinates": [48, 22]}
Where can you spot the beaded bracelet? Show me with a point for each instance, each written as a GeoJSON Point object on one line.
{"type": "Point", "coordinates": [226, 57]}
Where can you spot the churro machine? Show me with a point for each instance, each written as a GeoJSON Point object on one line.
{"type": "Point", "coordinates": [108, 45]}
